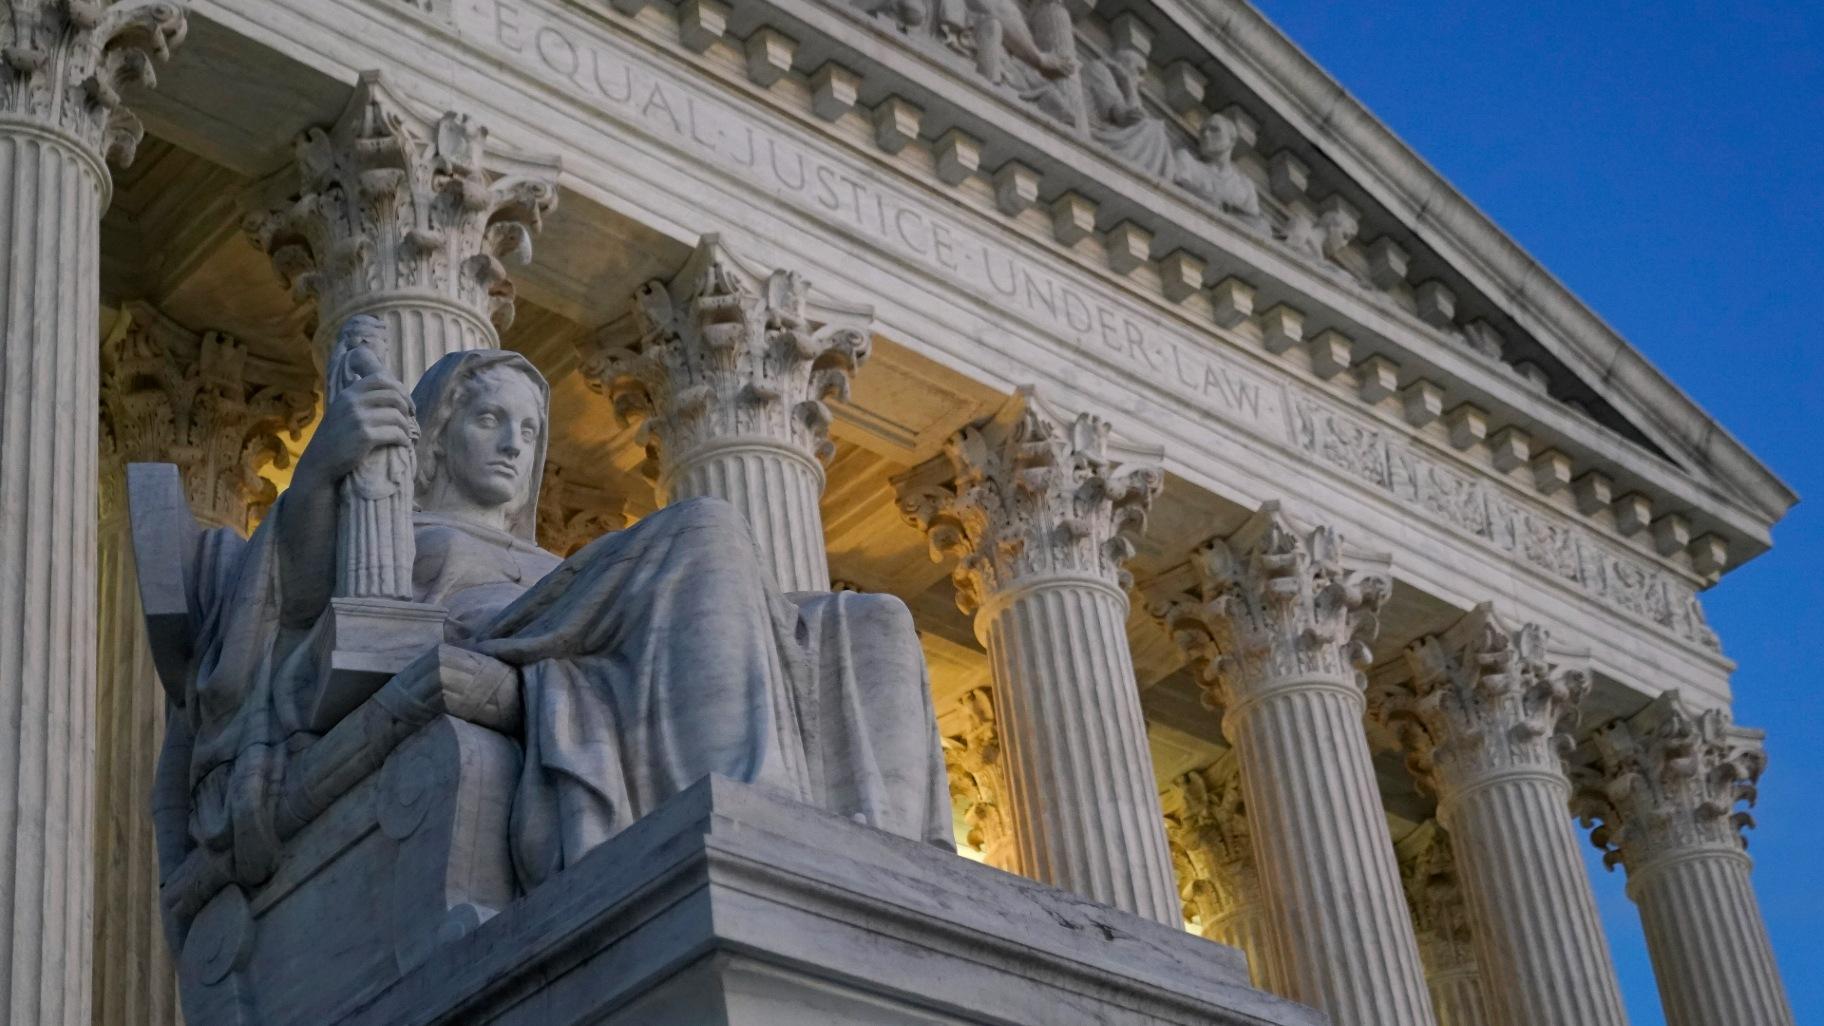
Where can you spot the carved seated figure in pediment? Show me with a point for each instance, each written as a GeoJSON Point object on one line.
{"type": "Point", "coordinates": [393, 713]}
{"type": "Point", "coordinates": [1212, 176]}
{"type": "Point", "coordinates": [1118, 118]}
{"type": "Point", "coordinates": [1030, 48]}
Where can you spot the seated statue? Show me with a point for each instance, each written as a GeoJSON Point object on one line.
{"type": "Point", "coordinates": [622, 675]}
{"type": "Point", "coordinates": [1118, 118]}
{"type": "Point", "coordinates": [1211, 173]}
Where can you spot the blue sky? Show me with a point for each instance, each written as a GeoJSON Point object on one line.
{"type": "Point", "coordinates": [1664, 160]}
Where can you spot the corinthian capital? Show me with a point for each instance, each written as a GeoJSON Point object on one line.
{"type": "Point", "coordinates": [1031, 493]}
{"type": "Point", "coordinates": [171, 396]}
{"type": "Point", "coordinates": [1669, 780]}
{"type": "Point", "coordinates": [978, 784]}
{"type": "Point", "coordinates": [1206, 822]}
{"type": "Point", "coordinates": [1440, 917]}
{"type": "Point", "coordinates": [1483, 697]}
{"type": "Point", "coordinates": [390, 202]}
{"type": "Point", "coordinates": [722, 353]}
{"type": "Point", "coordinates": [66, 62]}
{"type": "Point", "coordinates": [1274, 603]}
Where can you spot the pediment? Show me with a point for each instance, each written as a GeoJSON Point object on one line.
{"type": "Point", "coordinates": [1316, 208]}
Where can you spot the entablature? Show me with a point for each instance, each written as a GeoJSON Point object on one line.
{"type": "Point", "coordinates": [688, 140]}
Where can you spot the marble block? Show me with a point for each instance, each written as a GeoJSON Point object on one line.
{"type": "Point", "coordinates": [730, 906]}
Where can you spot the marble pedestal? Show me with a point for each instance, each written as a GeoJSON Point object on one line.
{"type": "Point", "coordinates": [731, 907]}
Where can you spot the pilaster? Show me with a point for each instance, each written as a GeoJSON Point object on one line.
{"type": "Point", "coordinates": [1665, 788]}
{"type": "Point", "coordinates": [408, 217]}
{"type": "Point", "coordinates": [1278, 627]}
{"type": "Point", "coordinates": [1214, 853]}
{"type": "Point", "coordinates": [1485, 721]}
{"type": "Point", "coordinates": [62, 119]}
{"type": "Point", "coordinates": [167, 396]}
{"type": "Point", "coordinates": [729, 374]}
{"type": "Point", "coordinates": [1041, 512]}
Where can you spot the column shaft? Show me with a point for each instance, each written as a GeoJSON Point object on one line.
{"type": "Point", "coordinates": [1079, 773]}
{"type": "Point", "coordinates": [1245, 927]}
{"type": "Point", "coordinates": [1531, 910]}
{"type": "Point", "coordinates": [135, 980]}
{"type": "Point", "coordinates": [50, 211]}
{"type": "Point", "coordinates": [1456, 995]}
{"type": "Point", "coordinates": [777, 488]}
{"type": "Point", "coordinates": [422, 330]}
{"type": "Point", "coordinates": [1343, 941]}
{"type": "Point", "coordinates": [1708, 942]}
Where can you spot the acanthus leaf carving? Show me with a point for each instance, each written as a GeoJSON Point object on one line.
{"type": "Point", "coordinates": [1030, 493]}
{"type": "Point", "coordinates": [570, 514]}
{"type": "Point", "coordinates": [168, 396]}
{"type": "Point", "coordinates": [721, 353]}
{"type": "Point", "coordinates": [1274, 603]}
{"type": "Point", "coordinates": [1483, 698]}
{"type": "Point", "coordinates": [1440, 916]}
{"type": "Point", "coordinates": [66, 62]}
{"type": "Point", "coordinates": [978, 783]}
{"type": "Point", "coordinates": [1670, 779]}
{"type": "Point", "coordinates": [391, 200]}
{"type": "Point", "coordinates": [1212, 845]}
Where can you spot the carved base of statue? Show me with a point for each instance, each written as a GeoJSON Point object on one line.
{"type": "Point", "coordinates": [360, 643]}
{"type": "Point", "coordinates": [731, 906]}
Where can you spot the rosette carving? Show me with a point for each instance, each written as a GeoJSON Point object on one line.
{"type": "Point", "coordinates": [66, 62]}
{"type": "Point", "coordinates": [390, 201]}
{"type": "Point", "coordinates": [1274, 603]}
{"type": "Point", "coordinates": [720, 353]}
{"type": "Point", "coordinates": [1030, 493]}
{"type": "Point", "coordinates": [1484, 697]}
{"type": "Point", "coordinates": [1667, 781]}
{"type": "Point", "coordinates": [171, 397]}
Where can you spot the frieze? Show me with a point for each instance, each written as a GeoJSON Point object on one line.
{"type": "Point", "coordinates": [1396, 465]}
{"type": "Point", "coordinates": [604, 70]}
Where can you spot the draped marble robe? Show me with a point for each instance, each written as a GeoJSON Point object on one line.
{"type": "Point", "coordinates": [648, 659]}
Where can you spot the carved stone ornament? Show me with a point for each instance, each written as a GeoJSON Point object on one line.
{"type": "Point", "coordinates": [391, 200]}
{"type": "Point", "coordinates": [1440, 916]}
{"type": "Point", "coordinates": [1275, 603]}
{"type": "Point", "coordinates": [978, 783]}
{"type": "Point", "coordinates": [1484, 698]}
{"type": "Point", "coordinates": [1211, 844]}
{"type": "Point", "coordinates": [1030, 493]}
{"type": "Point", "coordinates": [169, 396]}
{"type": "Point", "coordinates": [570, 513]}
{"type": "Point", "coordinates": [66, 62]}
{"type": "Point", "coordinates": [1669, 780]}
{"type": "Point", "coordinates": [722, 353]}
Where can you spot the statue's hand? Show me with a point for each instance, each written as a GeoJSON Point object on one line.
{"type": "Point", "coordinates": [369, 414]}
{"type": "Point", "coordinates": [465, 684]}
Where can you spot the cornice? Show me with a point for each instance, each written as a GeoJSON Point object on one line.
{"type": "Point", "coordinates": [1363, 147]}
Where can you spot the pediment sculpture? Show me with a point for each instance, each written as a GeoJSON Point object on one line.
{"type": "Point", "coordinates": [390, 700]}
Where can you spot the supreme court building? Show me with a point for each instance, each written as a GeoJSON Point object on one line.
{"type": "Point", "coordinates": [1295, 559]}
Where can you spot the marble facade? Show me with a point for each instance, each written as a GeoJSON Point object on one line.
{"type": "Point", "coordinates": [1293, 559]}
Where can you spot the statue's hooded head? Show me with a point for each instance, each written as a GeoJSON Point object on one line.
{"type": "Point", "coordinates": [483, 418]}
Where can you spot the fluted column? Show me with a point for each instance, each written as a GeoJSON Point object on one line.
{"type": "Point", "coordinates": [1441, 919]}
{"type": "Point", "coordinates": [1665, 787]}
{"type": "Point", "coordinates": [1214, 852]}
{"type": "Point", "coordinates": [730, 371]}
{"type": "Point", "coordinates": [61, 121]}
{"type": "Point", "coordinates": [167, 396]}
{"type": "Point", "coordinates": [1041, 518]}
{"type": "Point", "coordinates": [1484, 720]}
{"type": "Point", "coordinates": [408, 217]}
{"type": "Point", "coordinates": [1278, 627]}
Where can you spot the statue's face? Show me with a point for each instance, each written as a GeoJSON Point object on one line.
{"type": "Point", "coordinates": [491, 441]}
